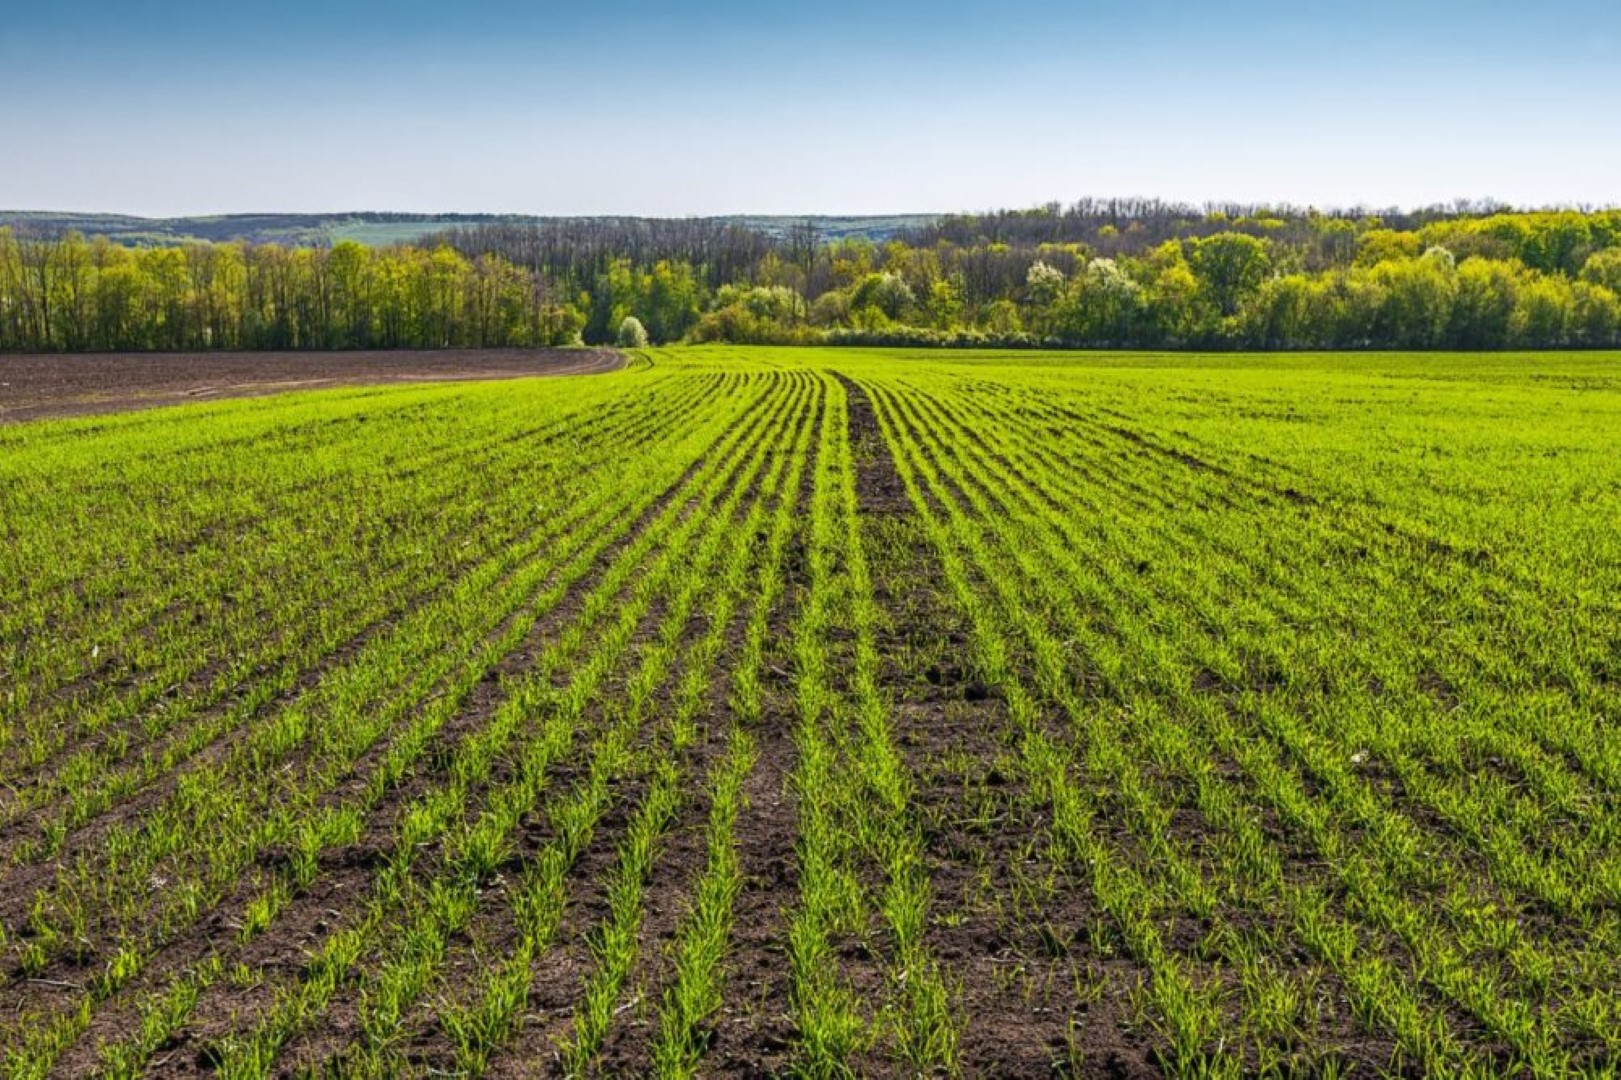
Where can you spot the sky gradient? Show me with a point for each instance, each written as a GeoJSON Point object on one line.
{"type": "Point", "coordinates": [618, 107]}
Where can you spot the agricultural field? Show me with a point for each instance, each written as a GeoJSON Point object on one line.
{"type": "Point", "coordinates": [826, 712]}
{"type": "Point", "coordinates": [44, 385]}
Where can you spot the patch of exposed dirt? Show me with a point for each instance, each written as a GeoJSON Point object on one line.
{"type": "Point", "coordinates": [42, 386]}
{"type": "Point", "coordinates": [1016, 965]}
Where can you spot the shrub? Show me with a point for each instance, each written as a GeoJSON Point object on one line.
{"type": "Point", "coordinates": [632, 334]}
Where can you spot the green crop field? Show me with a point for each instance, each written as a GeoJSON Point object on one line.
{"type": "Point", "coordinates": [823, 712]}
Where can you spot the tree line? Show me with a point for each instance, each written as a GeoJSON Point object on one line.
{"type": "Point", "coordinates": [66, 293]}
{"type": "Point", "coordinates": [1136, 274]}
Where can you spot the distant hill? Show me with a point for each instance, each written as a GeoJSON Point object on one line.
{"type": "Point", "coordinates": [381, 229]}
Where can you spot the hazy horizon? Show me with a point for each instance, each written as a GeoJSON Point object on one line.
{"type": "Point", "coordinates": [170, 108]}
{"type": "Point", "coordinates": [418, 212]}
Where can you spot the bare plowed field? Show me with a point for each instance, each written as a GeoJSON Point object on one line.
{"type": "Point", "coordinates": [39, 386]}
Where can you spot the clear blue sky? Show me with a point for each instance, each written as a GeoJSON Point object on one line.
{"type": "Point", "coordinates": [170, 107]}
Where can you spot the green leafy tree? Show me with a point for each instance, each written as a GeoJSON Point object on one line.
{"type": "Point", "coordinates": [1230, 266]}
{"type": "Point", "coordinates": [945, 304]}
{"type": "Point", "coordinates": [1178, 309]}
{"type": "Point", "coordinates": [668, 300]}
{"type": "Point", "coordinates": [831, 309]}
{"type": "Point", "coordinates": [1417, 299]}
{"type": "Point", "coordinates": [886, 294]}
{"type": "Point", "coordinates": [1604, 268]}
{"type": "Point", "coordinates": [1283, 314]}
{"type": "Point", "coordinates": [1557, 243]}
{"type": "Point", "coordinates": [1483, 312]}
{"type": "Point", "coordinates": [1544, 312]}
{"type": "Point", "coordinates": [1102, 308]}
{"type": "Point", "coordinates": [1002, 317]}
{"type": "Point", "coordinates": [1595, 315]}
{"type": "Point", "coordinates": [1386, 245]}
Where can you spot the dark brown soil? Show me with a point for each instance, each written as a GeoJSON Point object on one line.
{"type": "Point", "coordinates": [1017, 964]}
{"type": "Point", "coordinates": [34, 387]}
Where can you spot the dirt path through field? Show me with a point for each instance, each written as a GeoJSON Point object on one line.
{"type": "Point", "coordinates": [36, 387]}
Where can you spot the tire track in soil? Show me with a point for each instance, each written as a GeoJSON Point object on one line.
{"type": "Point", "coordinates": [954, 731]}
{"type": "Point", "coordinates": [865, 954]}
{"type": "Point", "coordinates": [1037, 995]}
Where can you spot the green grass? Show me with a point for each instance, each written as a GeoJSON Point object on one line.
{"type": "Point", "coordinates": [826, 712]}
